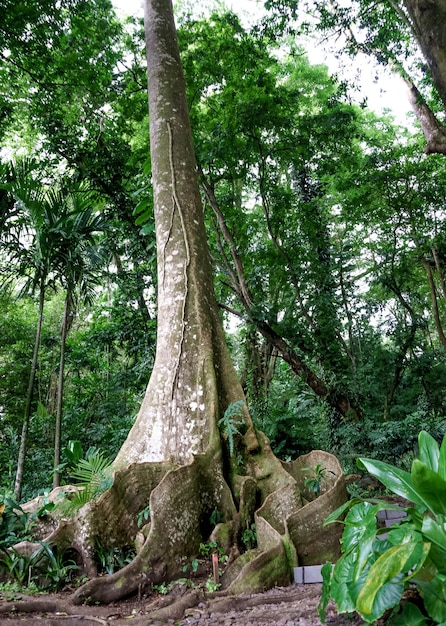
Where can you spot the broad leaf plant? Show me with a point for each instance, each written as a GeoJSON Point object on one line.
{"type": "Point", "coordinates": [379, 565]}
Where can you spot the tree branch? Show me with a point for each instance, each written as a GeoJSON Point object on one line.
{"type": "Point", "coordinates": [434, 132]}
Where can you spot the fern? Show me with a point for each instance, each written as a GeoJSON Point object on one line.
{"type": "Point", "coordinates": [232, 418]}
{"type": "Point", "coordinates": [92, 475]}
{"type": "Point", "coordinates": [90, 471]}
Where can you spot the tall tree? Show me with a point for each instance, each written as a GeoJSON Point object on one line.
{"type": "Point", "coordinates": [79, 263]}
{"type": "Point", "coordinates": [409, 36]}
{"type": "Point", "coordinates": [175, 456]}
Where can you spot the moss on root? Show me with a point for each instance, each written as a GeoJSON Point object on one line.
{"type": "Point", "coordinates": [182, 503]}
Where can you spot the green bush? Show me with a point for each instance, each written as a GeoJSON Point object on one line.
{"type": "Point", "coordinates": [373, 572]}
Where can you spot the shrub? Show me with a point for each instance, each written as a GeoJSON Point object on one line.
{"type": "Point", "coordinates": [373, 572]}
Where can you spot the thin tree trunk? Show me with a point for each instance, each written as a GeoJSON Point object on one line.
{"type": "Point", "coordinates": [59, 402]}
{"type": "Point", "coordinates": [433, 292]}
{"type": "Point", "coordinates": [29, 399]}
{"type": "Point", "coordinates": [440, 272]}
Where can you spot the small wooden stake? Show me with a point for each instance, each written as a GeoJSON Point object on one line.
{"type": "Point", "coordinates": [215, 571]}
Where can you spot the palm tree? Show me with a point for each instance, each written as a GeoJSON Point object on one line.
{"type": "Point", "coordinates": [80, 261]}
{"type": "Point", "coordinates": [28, 246]}
{"type": "Point", "coordinates": [43, 243]}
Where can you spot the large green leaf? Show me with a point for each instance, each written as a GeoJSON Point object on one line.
{"type": "Point", "coordinates": [404, 533]}
{"type": "Point", "coordinates": [434, 597]}
{"type": "Point", "coordinates": [386, 569]}
{"type": "Point", "coordinates": [360, 523]}
{"type": "Point", "coordinates": [339, 512]}
{"type": "Point", "coordinates": [343, 575]}
{"type": "Point", "coordinates": [397, 480]}
{"type": "Point", "coordinates": [409, 616]}
{"type": "Point", "coordinates": [327, 573]}
{"type": "Point", "coordinates": [387, 597]}
{"type": "Point", "coordinates": [435, 532]}
{"type": "Point", "coordinates": [429, 451]}
{"type": "Point", "coordinates": [429, 486]}
{"type": "Point", "coordinates": [74, 452]}
{"type": "Point", "coordinates": [442, 460]}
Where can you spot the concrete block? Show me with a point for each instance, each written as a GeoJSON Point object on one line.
{"type": "Point", "coordinates": [307, 574]}
{"type": "Point", "coordinates": [312, 574]}
{"type": "Point", "coordinates": [396, 515]}
{"type": "Point", "coordinates": [299, 575]}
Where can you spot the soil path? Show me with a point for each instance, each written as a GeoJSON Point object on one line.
{"type": "Point", "coordinates": [295, 605]}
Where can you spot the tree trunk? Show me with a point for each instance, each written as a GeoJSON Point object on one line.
{"type": "Point", "coordinates": [193, 380]}
{"type": "Point", "coordinates": [428, 22]}
{"type": "Point", "coordinates": [428, 18]}
{"type": "Point", "coordinates": [433, 130]}
{"type": "Point", "coordinates": [60, 381]}
{"type": "Point", "coordinates": [433, 292]}
{"type": "Point", "coordinates": [29, 399]}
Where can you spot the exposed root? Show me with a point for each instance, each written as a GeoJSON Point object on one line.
{"type": "Point", "coordinates": [182, 500]}
{"type": "Point", "coordinates": [196, 603]}
{"type": "Point", "coordinates": [36, 605]}
{"type": "Point", "coordinates": [178, 607]}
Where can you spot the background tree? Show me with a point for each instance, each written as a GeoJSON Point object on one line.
{"type": "Point", "coordinates": [407, 36]}
{"type": "Point", "coordinates": [80, 264]}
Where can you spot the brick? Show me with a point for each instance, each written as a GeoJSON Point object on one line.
{"type": "Point", "coordinates": [312, 574]}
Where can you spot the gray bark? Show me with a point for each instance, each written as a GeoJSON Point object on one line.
{"type": "Point", "coordinates": [193, 380]}
{"type": "Point", "coordinates": [428, 19]}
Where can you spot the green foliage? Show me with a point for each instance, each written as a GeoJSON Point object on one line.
{"type": "Point", "coordinates": [211, 547]}
{"type": "Point", "coordinates": [43, 567]}
{"type": "Point", "coordinates": [15, 524]}
{"type": "Point", "coordinates": [395, 441]}
{"type": "Point", "coordinates": [143, 516]}
{"type": "Point", "coordinates": [314, 481]}
{"type": "Point", "coordinates": [249, 537]}
{"type": "Point", "coordinates": [162, 588]}
{"type": "Point", "coordinates": [212, 586]}
{"type": "Point", "coordinates": [215, 517]}
{"type": "Point", "coordinates": [373, 572]}
{"type": "Point", "coordinates": [74, 452]}
{"type": "Point", "coordinates": [11, 590]}
{"type": "Point", "coordinates": [91, 474]}
{"type": "Point", "coordinates": [112, 558]}
{"type": "Point", "coordinates": [332, 248]}
{"type": "Point", "coordinates": [206, 549]}
{"type": "Point", "coordinates": [232, 418]}
{"type": "Point", "coordinates": [193, 566]}
{"type": "Point", "coordinates": [19, 567]}
{"type": "Point", "coordinates": [293, 418]}
{"type": "Point", "coordinates": [54, 568]}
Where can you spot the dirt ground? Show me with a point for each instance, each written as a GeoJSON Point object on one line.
{"type": "Point", "coordinates": [295, 605]}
